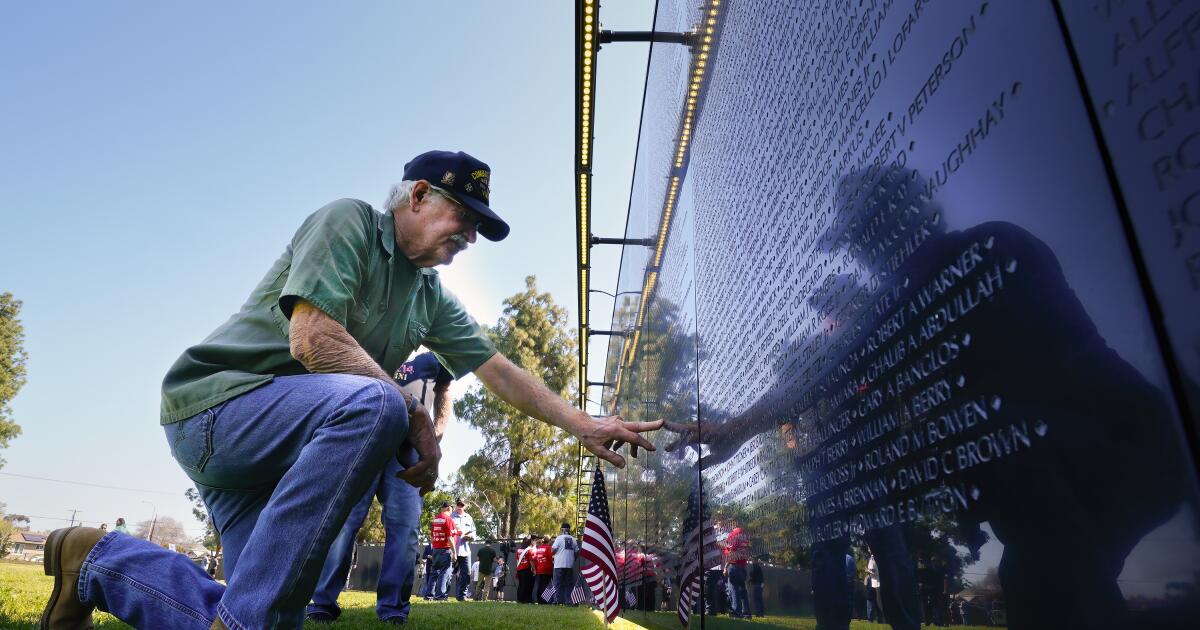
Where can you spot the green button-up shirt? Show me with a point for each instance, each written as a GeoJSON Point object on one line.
{"type": "Point", "coordinates": [343, 260]}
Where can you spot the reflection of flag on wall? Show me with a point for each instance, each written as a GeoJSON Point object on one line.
{"type": "Point", "coordinates": [632, 570]}
{"type": "Point", "coordinates": [699, 538]}
{"type": "Point", "coordinates": [597, 548]}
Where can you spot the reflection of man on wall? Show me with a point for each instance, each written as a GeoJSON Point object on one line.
{"type": "Point", "coordinates": [1102, 467]}
{"type": "Point", "coordinates": [1092, 455]}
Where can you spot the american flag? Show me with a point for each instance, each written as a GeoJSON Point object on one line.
{"type": "Point", "coordinates": [549, 593]}
{"type": "Point", "coordinates": [580, 593]}
{"type": "Point", "coordinates": [597, 548]}
{"type": "Point", "coordinates": [700, 550]}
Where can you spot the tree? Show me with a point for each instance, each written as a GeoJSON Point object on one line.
{"type": "Point", "coordinates": [12, 365]}
{"type": "Point", "coordinates": [212, 538]}
{"type": "Point", "coordinates": [372, 530]}
{"type": "Point", "coordinates": [526, 468]}
{"type": "Point", "coordinates": [6, 530]}
{"type": "Point", "coordinates": [167, 531]}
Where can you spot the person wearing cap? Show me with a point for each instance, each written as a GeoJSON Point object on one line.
{"type": "Point", "coordinates": [285, 414]}
{"type": "Point", "coordinates": [426, 379]}
{"type": "Point", "coordinates": [564, 549]}
{"type": "Point", "coordinates": [441, 538]}
{"type": "Point", "coordinates": [465, 526]}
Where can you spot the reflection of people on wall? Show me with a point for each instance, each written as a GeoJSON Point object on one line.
{"type": "Point", "coordinates": [737, 555]}
{"type": "Point", "coordinates": [871, 581]}
{"type": "Point", "coordinates": [714, 591]}
{"type": "Point", "coordinates": [647, 594]}
{"type": "Point", "coordinates": [756, 587]}
{"type": "Point", "coordinates": [1038, 427]}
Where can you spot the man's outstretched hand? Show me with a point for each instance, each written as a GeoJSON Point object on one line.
{"type": "Point", "coordinates": [422, 475]}
{"type": "Point", "coordinates": [604, 436]}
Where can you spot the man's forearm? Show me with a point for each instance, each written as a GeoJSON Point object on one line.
{"type": "Point", "coordinates": [323, 346]}
{"type": "Point", "coordinates": [441, 409]}
{"type": "Point", "coordinates": [533, 398]}
{"type": "Point", "coordinates": [529, 395]}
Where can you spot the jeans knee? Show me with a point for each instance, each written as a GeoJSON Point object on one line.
{"type": "Point", "coordinates": [383, 403]}
{"type": "Point", "coordinates": [395, 410]}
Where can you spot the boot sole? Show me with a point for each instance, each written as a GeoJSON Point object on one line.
{"type": "Point", "coordinates": [52, 567]}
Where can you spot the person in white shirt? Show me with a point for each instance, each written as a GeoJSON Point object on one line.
{"type": "Point", "coordinates": [874, 601]}
{"type": "Point", "coordinates": [474, 579]}
{"type": "Point", "coordinates": [462, 547]}
{"type": "Point", "coordinates": [564, 548]}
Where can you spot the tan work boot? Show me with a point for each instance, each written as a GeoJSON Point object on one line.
{"type": "Point", "coordinates": [65, 551]}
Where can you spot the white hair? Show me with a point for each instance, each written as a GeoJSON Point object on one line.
{"type": "Point", "coordinates": [401, 195]}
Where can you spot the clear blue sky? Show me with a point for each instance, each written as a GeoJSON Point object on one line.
{"type": "Point", "coordinates": [155, 158]}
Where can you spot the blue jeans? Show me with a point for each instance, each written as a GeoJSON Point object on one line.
{"type": "Point", "coordinates": [563, 583]}
{"type": "Point", "coordinates": [427, 581]}
{"type": "Point", "coordinates": [540, 582]}
{"type": "Point", "coordinates": [739, 599]}
{"type": "Point", "coordinates": [401, 516]}
{"type": "Point", "coordinates": [279, 469]}
{"type": "Point", "coordinates": [462, 569]}
{"type": "Point", "coordinates": [440, 568]}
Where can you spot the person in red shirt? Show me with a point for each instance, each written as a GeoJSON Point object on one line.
{"type": "Point", "coordinates": [737, 552]}
{"type": "Point", "coordinates": [525, 571]}
{"type": "Point", "coordinates": [543, 569]}
{"type": "Point", "coordinates": [441, 537]}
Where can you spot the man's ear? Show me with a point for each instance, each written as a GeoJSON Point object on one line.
{"type": "Point", "coordinates": [420, 191]}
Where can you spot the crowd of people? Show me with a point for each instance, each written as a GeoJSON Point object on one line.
{"type": "Point", "coordinates": [544, 567]}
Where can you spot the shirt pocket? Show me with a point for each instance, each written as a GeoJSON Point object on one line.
{"type": "Point", "coordinates": [360, 312]}
{"type": "Point", "coordinates": [411, 338]}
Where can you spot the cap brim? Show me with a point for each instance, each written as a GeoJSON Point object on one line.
{"type": "Point", "coordinates": [493, 228]}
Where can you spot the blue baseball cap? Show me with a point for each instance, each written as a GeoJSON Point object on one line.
{"type": "Point", "coordinates": [464, 177]}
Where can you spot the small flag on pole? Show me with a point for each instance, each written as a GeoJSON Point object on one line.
{"type": "Point", "coordinates": [598, 550]}
{"type": "Point", "coordinates": [580, 593]}
{"type": "Point", "coordinates": [549, 593]}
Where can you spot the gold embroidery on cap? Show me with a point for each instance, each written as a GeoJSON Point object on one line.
{"type": "Point", "coordinates": [448, 178]}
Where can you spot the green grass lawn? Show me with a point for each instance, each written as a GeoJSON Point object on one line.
{"type": "Point", "coordinates": [24, 589]}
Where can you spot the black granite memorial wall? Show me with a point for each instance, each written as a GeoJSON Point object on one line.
{"type": "Point", "coordinates": [922, 313]}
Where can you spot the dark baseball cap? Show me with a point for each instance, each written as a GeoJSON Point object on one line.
{"type": "Point", "coordinates": [466, 178]}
